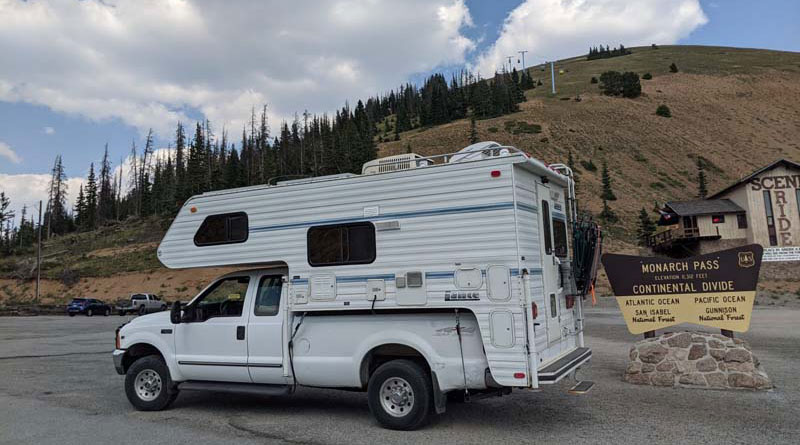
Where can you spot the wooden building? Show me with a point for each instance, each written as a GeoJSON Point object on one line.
{"type": "Point", "coordinates": [762, 208]}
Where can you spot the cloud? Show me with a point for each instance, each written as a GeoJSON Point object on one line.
{"type": "Point", "coordinates": [151, 63]}
{"type": "Point", "coordinates": [554, 29]}
{"type": "Point", "coordinates": [28, 189]}
{"type": "Point", "coordinates": [49, 130]}
{"type": "Point", "coordinates": [8, 153]}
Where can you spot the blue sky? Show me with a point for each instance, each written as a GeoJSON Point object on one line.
{"type": "Point", "coordinates": [54, 100]}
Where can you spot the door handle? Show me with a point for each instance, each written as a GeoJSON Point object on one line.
{"type": "Point", "coordinates": [240, 332]}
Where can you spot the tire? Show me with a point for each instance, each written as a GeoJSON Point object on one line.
{"type": "Point", "coordinates": [163, 307]}
{"type": "Point", "coordinates": [89, 312]}
{"type": "Point", "coordinates": [388, 391]}
{"type": "Point", "coordinates": [72, 314]}
{"type": "Point", "coordinates": [121, 313]}
{"type": "Point", "coordinates": [153, 371]}
{"type": "Point", "coordinates": [107, 312]}
{"type": "Point", "coordinates": [142, 310]}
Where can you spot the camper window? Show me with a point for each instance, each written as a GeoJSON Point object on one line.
{"type": "Point", "coordinates": [225, 228]}
{"type": "Point", "coordinates": [341, 244]}
{"type": "Point", "coordinates": [560, 237]}
{"type": "Point", "coordinates": [548, 240]}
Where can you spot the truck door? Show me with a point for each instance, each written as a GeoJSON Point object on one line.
{"type": "Point", "coordinates": [210, 343]}
{"type": "Point", "coordinates": [549, 275]}
{"type": "Point", "coordinates": [265, 333]}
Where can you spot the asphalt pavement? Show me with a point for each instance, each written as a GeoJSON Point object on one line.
{"type": "Point", "coordinates": [58, 385]}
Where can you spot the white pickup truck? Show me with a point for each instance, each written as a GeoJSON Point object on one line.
{"type": "Point", "coordinates": [462, 274]}
{"type": "Point", "coordinates": [230, 338]}
{"type": "Point", "coordinates": [141, 304]}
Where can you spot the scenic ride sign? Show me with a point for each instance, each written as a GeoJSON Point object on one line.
{"type": "Point", "coordinates": [716, 289]}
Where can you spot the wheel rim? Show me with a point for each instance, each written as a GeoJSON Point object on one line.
{"type": "Point", "coordinates": [147, 385]}
{"type": "Point", "coordinates": [397, 397]}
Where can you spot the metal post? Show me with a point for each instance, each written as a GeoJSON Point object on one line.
{"type": "Point", "coordinates": [39, 254]}
{"type": "Point", "coordinates": [523, 57]}
{"type": "Point", "coordinates": [553, 76]}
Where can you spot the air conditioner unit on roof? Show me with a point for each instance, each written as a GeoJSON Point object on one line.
{"type": "Point", "coordinates": [394, 163]}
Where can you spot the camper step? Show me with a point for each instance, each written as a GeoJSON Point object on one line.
{"type": "Point", "coordinates": [237, 388]}
{"type": "Point", "coordinates": [581, 387]}
{"type": "Point", "coordinates": [557, 370]}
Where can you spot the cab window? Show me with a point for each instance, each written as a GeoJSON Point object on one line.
{"type": "Point", "coordinates": [268, 296]}
{"type": "Point", "coordinates": [224, 299]}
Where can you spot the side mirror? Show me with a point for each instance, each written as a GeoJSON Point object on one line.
{"type": "Point", "coordinates": [175, 313]}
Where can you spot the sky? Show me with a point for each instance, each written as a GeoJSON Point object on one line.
{"type": "Point", "coordinates": [77, 75]}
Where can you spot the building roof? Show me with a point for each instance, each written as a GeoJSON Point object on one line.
{"type": "Point", "coordinates": [784, 162]}
{"type": "Point", "coordinates": [704, 207]}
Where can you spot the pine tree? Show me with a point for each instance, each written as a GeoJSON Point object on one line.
{"type": "Point", "coordinates": [5, 213]}
{"type": "Point", "coordinates": [56, 217]}
{"type": "Point", "coordinates": [571, 165]}
{"type": "Point", "coordinates": [105, 198]}
{"type": "Point", "coordinates": [473, 130]}
{"type": "Point", "coordinates": [180, 163]}
{"type": "Point", "coordinates": [646, 227]}
{"type": "Point", "coordinates": [607, 214]}
{"type": "Point", "coordinates": [608, 192]}
{"type": "Point", "coordinates": [80, 209]}
{"type": "Point", "coordinates": [702, 182]}
{"type": "Point", "coordinates": [90, 216]}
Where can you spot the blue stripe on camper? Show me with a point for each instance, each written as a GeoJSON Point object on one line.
{"type": "Point", "coordinates": [396, 215]}
{"type": "Point", "coordinates": [428, 275]}
{"type": "Point", "coordinates": [527, 208]}
{"type": "Point", "coordinates": [357, 278]}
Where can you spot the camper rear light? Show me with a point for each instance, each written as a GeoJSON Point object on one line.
{"type": "Point", "coordinates": [570, 301]}
{"type": "Point", "coordinates": [519, 375]}
{"type": "Point", "coordinates": [534, 311]}
{"type": "Point", "coordinates": [495, 173]}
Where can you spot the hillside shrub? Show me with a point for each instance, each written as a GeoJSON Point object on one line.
{"type": "Point", "coordinates": [594, 80]}
{"type": "Point", "coordinates": [614, 83]}
{"type": "Point", "coordinates": [673, 68]}
{"type": "Point", "coordinates": [663, 111]}
{"type": "Point", "coordinates": [589, 166]}
{"type": "Point", "coordinates": [631, 87]}
{"type": "Point", "coordinates": [647, 76]}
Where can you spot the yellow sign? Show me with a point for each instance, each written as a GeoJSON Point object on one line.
{"type": "Point", "coordinates": [716, 290]}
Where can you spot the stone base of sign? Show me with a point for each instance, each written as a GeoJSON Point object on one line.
{"type": "Point", "coordinates": [697, 360]}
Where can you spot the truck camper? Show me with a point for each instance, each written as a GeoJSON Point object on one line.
{"type": "Point", "coordinates": [461, 274]}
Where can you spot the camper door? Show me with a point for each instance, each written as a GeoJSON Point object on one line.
{"type": "Point", "coordinates": [549, 274]}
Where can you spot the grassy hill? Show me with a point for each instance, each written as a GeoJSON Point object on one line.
{"type": "Point", "coordinates": [737, 108]}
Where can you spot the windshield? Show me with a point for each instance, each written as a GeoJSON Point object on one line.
{"type": "Point", "coordinates": [79, 300]}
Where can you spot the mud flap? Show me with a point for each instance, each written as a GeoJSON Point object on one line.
{"type": "Point", "coordinates": [439, 398]}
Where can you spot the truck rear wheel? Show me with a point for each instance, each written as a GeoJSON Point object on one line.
{"type": "Point", "coordinates": [400, 395]}
{"type": "Point", "coordinates": [142, 310]}
{"type": "Point", "coordinates": [148, 385]}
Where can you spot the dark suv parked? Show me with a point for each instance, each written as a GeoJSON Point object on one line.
{"type": "Point", "coordinates": [88, 306]}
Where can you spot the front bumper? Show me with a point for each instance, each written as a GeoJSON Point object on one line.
{"type": "Point", "coordinates": [118, 355]}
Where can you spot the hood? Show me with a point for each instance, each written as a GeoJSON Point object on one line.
{"type": "Point", "coordinates": [155, 319]}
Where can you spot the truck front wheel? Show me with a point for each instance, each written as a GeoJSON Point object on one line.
{"type": "Point", "coordinates": [400, 395]}
{"type": "Point", "coordinates": [148, 384]}
{"type": "Point", "coordinates": [142, 310]}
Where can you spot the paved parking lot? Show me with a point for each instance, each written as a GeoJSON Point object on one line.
{"type": "Point", "coordinates": [58, 385]}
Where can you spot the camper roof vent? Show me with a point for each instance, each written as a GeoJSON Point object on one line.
{"type": "Point", "coordinates": [394, 163]}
